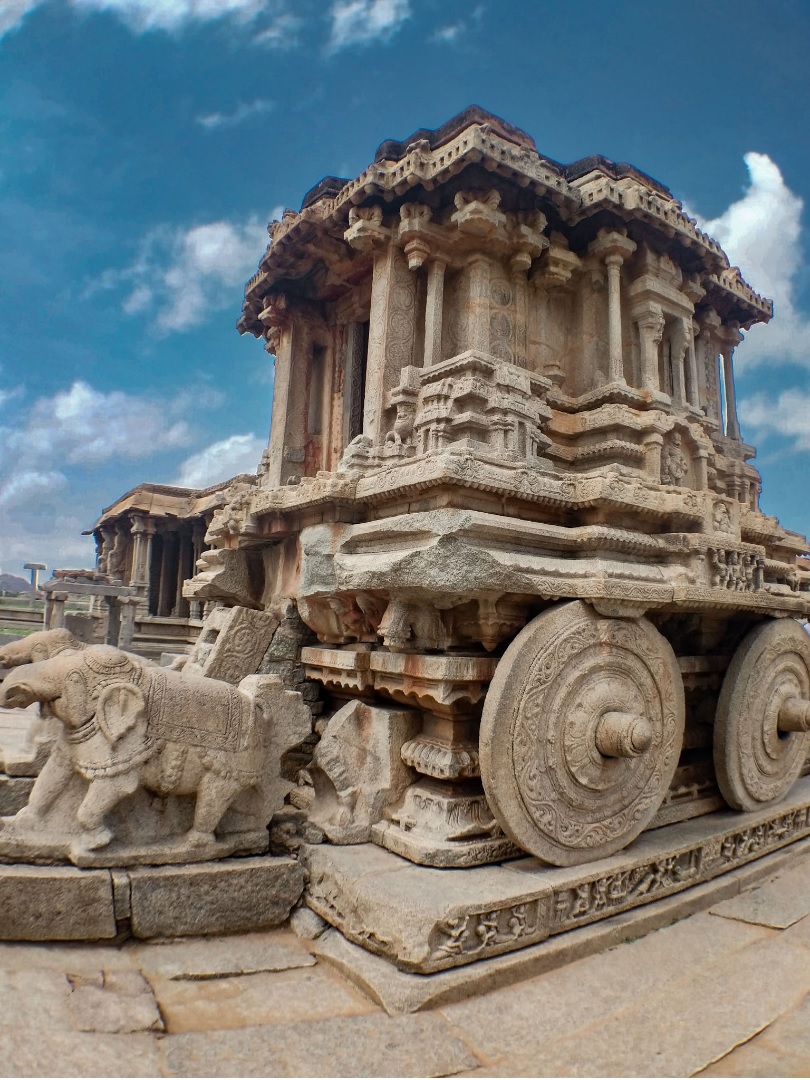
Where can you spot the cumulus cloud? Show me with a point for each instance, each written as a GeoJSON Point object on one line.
{"type": "Point", "coordinates": [179, 276]}
{"type": "Point", "coordinates": [222, 460]}
{"type": "Point", "coordinates": [450, 33]}
{"type": "Point", "coordinates": [786, 416]}
{"type": "Point", "coordinates": [172, 15]}
{"type": "Point", "coordinates": [243, 111]}
{"type": "Point", "coordinates": [51, 447]}
{"type": "Point", "coordinates": [361, 22]}
{"type": "Point", "coordinates": [762, 234]}
{"type": "Point", "coordinates": [84, 426]}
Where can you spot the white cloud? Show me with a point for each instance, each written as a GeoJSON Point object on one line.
{"type": "Point", "coordinates": [282, 33]}
{"type": "Point", "coordinates": [761, 233]}
{"type": "Point", "coordinates": [222, 460]}
{"type": "Point", "coordinates": [142, 15]}
{"type": "Point", "coordinates": [171, 15]}
{"type": "Point", "coordinates": [12, 13]}
{"type": "Point", "coordinates": [50, 450]}
{"type": "Point", "coordinates": [179, 276]}
{"type": "Point", "coordinates": [787, 416]}
{"type": "Point", "coordinates": [446, 35]}
{"type": "Point", "coordinates": [361, 22]}
{"type": "Point", "coordinates": [83, 426]}
{"type": "Point", "coordinates": [243, 111]}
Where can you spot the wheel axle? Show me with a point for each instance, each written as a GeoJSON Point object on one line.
{"type": "Point", "coordinates": [794, 715]}
{"type": "Point", "coordinates": [623, 735]}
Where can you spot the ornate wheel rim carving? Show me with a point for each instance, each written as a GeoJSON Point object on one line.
{"type": "Point", "coordinates": [756, 762]}
{"type": "Point", "coordinates": [566, 674]}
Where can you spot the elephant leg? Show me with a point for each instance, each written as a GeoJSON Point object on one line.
{"type": "Point", "coordinates": [55, 776]}
{"type": "Point", "coordinates": [103, 794]}
{"type": "Point", "coordinates": [214, 795]}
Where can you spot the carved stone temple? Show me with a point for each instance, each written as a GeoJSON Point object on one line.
{"type": "Point", "coordinates": [550, 643]}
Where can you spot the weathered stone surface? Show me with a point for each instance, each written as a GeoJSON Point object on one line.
{"type": "Point", "coordinates": [259, 999]}
{"type": "Point", "coordinates": [14, 793]}
{"type": "Point", "coordinates": [115, 1002]}
{"type": "Point", "coordinates": [66, 1053]}
{"type": "Point", "coordinates": [358, 769]}
{"type": "Point", "coordinates": [55, 903]}
{"type": "Point", "coordinates": [778, 903]}
{"type": "Point", "coordinates": [780, 1049]}
{"type": "Point", "coordinates": [426, 920]}
{"type": "Point", "coordinates": [347, 1046]}
{"type": "Point", "coordinates": [232, 643]}
{"type": "Point", "coordinates": [132, 730]}
{"type": "Point", "coordinates": [214, 898]}
{"type": "Point", "coordinates": [306, 924]}
{"type": "Point", "coordinates": [214, 958]}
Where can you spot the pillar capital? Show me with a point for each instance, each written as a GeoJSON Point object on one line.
{"type": "Point", "coordinates": [613, 246]}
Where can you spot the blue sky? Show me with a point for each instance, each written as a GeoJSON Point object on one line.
{"type": "Point", "coordinates": [144, 145]}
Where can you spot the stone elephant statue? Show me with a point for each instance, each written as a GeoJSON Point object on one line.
{"type": "Point", "coordinates": [41, 645]}
{"type": "Point", "coordinates": [129, 725]}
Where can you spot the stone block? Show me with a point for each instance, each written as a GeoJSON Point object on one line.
{"type": "Point", "coordinates": [367, 1045]}
{"type": "Point", "coordinates": [232, 643]}
{"type": "Point", "coordinates": [50, 903]}
{"type": "Point", "coordinates": [14, 792]}
{"type": "Point", "coordinates": [214, 898]}
{"type": "Point", "coordinates": [253, 1000]}
{"type": "Point", "coordinates": [115, 1003]}
{"type": "Point", "coordinates": [215, 958]}
{"type": "Point", "coordinates": [358, 769]}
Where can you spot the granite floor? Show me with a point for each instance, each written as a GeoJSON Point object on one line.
{"type": "Point", "coordinates": [722, 993]}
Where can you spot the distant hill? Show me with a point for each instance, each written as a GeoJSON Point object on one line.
{"type": "Point", "coordinates": [12, 583]}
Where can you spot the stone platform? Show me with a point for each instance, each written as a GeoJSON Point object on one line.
{"type": "Point", "coordinates": [425, 920]}
{"type": "Point", "coordinates": [63, 903]}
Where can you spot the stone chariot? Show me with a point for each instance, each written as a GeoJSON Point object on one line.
{"type": "Point", "coordinates": [507, 491]}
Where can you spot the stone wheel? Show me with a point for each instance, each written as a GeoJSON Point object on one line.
{"type": "Point", "coordinates": [581, 733]}
{"type": "Point", "coordinates": [763, 716]}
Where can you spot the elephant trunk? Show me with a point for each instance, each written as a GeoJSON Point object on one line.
{"type": "Point", "coordinates": [17, 694]}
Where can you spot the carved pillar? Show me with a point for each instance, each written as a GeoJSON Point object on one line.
{"type": "Point", "coordinates": [679, 341]}
{"type": "Point", "coordinates": [167, 584]}
{"type": "Point", "coordinates": [478, 269]}
{"type": "Point", "coordinates": [702, 469]}
{"type": "Point", "coordinates": [709, 322]}
{"type": "Point", "coordinates": [653, 443]}
{"type": "Point", "coordinates": [692, 385]}
{"type": "Point", "coordinates": [147, 594]}
{"type": "Point", "coordinates": [434, 304]}
{"type": "Point", "coordinates": [519, 265]}
{"type": "Point", "coordinates": [183, 552]}
{"type": "Point", "coordinates": [391, 334]}
{"type": "Point", "coordinates": [614, 247]}
{"type": "Point", "coordinates": [650, 332]}
{"type": "Point", "coordinates": [139, 572]}
{"type": "Point", "coordinates": [732, 340]}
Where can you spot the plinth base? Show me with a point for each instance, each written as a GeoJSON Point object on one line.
{"type": "Point", "coordinates": [64, 903]}
{"type": "Point", "coordinates": [427, 920]}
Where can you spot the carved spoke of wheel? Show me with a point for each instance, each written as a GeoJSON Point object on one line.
{"type": "Point", "coordinates": [763, 716]}
{"type": "Point", "coordinates": [581, 733]}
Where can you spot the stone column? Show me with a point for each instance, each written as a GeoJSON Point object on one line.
{"type": "Point", "coordinates": [166, 589]}
{"type": "Point", "coordinates": [182, 570]}
{"type": "Point", "coordinates": [147, 595]}
{"type": "Point", "coordinates": [128, 606]}
{"type": "Point", "coordinates": [732, 340]}
{"type": "Point", "coordinates": [434, 305]}
{"type": "Point", "coordinates": [54, 614]}
{"type": "Point", "coordinates": [702, 469]}
{"type": "Point", "coordinates": [650, 331]}
{"type": "Point", "coordinates": [614, 247]}
{"type": "Point", "coordinates": [679, 344]}
{"type": "Point", "coordinates": [391, 334]}
{"type": "Point", "coordinates": [692, 385]}
{"type": "Point", "coordinates": [519, 265]}
{"type": "Point", "coordinates": [478, 307]}
{"type": "Point", "coordinates": [138, 577]}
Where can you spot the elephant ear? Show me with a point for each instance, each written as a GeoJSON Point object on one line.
{"type": "Point", "coordinates": [120, 708]}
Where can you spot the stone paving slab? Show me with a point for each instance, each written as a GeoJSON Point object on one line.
{"type": "Point", "coordinates": [371, 1045]}
{"type": "Point", "coordinates": [68, 1054]}
{"type": "Point", "coordinates": [779, 902]}
{"type": "Point", "coordinates": [541, 1012]}
{"type": "Point", "coordinates": [254, 1000]}
{"type": "Point", "coordinates": [209, 958]}
{"type": "Point", "coordinates": [781, 1049]}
